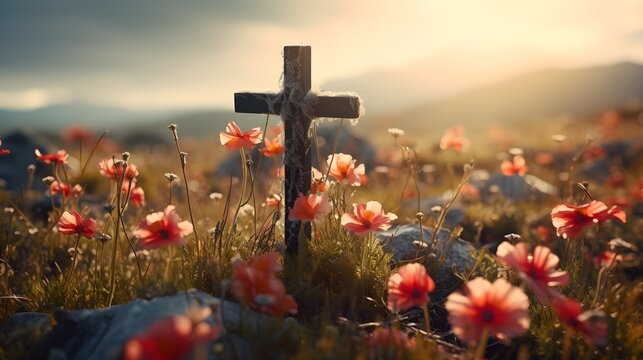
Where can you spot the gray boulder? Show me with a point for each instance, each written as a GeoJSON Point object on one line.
{"type": "Point", "coordinates": [452, 255]}
{"type": "Point", "coordinates": [13, 166]}
{"type": "Point", "coordinates": [102, 333]}
{"type": "Point", "coordinates": [516, 188]}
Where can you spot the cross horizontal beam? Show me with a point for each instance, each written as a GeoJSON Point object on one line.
{"type": "Point", "coordinates": [346, 107]}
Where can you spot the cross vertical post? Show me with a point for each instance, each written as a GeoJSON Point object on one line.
{"type": "Point", "coordinates": [297, 142]}
{"type": "Point", "coordinates": [297, 107]}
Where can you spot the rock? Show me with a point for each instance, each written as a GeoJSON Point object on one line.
{"type": "Point", "coordinates": [516, 188]}
{"type": "Point", "coordinates": [348, 143]}
{"type": "Point", "coordinates": [21, 333]}
{"type": "Point", "coordinates": [623, 154]}
{"type": "Point", "coordinates": [13, 167]}
{"type": "Point", "coordinates": [102, 333]}
{"type": "Point", "coordinates": [453, 256]}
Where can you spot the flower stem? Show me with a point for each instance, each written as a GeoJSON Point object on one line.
{"type": "Point", "coordinates": [243, 186]}
{"type": "Point", "coordinates": [482, 345]}
{"type": "Point", "coordinates": [427, 322]}
{"type": "Point", "coordinates": [73, 266]}
{"type": "Point", "coordinates": [183, 160]}
{"type": "Point", "coordinates": [119, 214]}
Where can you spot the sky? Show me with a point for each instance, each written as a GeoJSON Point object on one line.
{"type": "Point", "coordinates": [161, 54]}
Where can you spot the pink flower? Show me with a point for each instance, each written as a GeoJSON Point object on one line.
{"type": "Point", "coordinates": [60, 157]}
{"type": "Point", "coordinates": [516, 167]}
{"type": "Point", "coordinates": [137, 196]}
{"type": "Point", "coordinates": [454, 138]}
{"type": "Point", "coordinates": [367, 218]}
{"type": "Point", "coordinates": [343, 169]}
{"type": "Point", "coordinates": [590, 323]}
{"type": "Point", "coordinates": [255, 285]}
{"type": "Point", "coordinates": [61, 188]}
{"type": "Point", "coordinates": [408, 287]}
{"type": "Point", "coordinates": [570, 220]}
{"type": "Point", "coordinates": [272, 148]}
{"type": "Point", "coordinates": [273, 201]}
{"type": "Point", "coordinates": [108, 169]}
{"type": "Point", "coordinates": [163, 228]}
{"type": "Point", "coordinates": [500, 308]}
{"type": "Point", "coordinates": [234, 139]}
{"type": "Point", "coordinates": [538, 271]}
{"type": "Point", "coordinates": [173, 337]}
{"type": "Point", "coordinates": [311, 207]}
{"type": "Point", "coordinates": [71, 223]}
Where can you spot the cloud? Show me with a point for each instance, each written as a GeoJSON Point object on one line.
{"type": "Point", "coordinates": [150, 53]}
{"type": "Point", "coordinates": [32, 98]}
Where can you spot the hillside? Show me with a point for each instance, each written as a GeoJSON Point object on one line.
{"type": "Point", "coordinates": [528, 97]}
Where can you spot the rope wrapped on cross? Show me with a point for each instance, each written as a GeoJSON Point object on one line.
{"type": "Point", "coordinates": [297, 106]}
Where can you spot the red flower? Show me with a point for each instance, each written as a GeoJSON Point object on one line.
{"type": "Point", "coordinates": [469, 191]}
{"type": "Point", "coordinates": [311, 207]}
{"type": "Point", "coordinates": [273, 201]}
{"type": "Point", "coordinates": [60, 157]}
{"type": "Point", "coordinates": [408, 287]}
{"type": "Point", "coordinates": [454, 138]}
{"type": "Point", "coordinates": [545, 158]}
{"type": "Point", "coordinates": [137, 196]}
{"type": "Point", "coordinates": [61, 188]}
{"type": "Point", "coordinates": [107, 168]}
{"type": "Point", "coordinates": [543, 232]}
{"type": "Point", "coordinates": [569, 220]}
{"type": "Point", "coordinates": [343, 169]}
{"type": "Point", "coordinates": [254, 284]}
{"type": "Point", "coordinates": [171, 338]}
{"type": "Point", "coordinates": [162, 229]}
{"type": "Point", "coordinates": [367, 218]}
{"type": "Point", "coordinates": [637, 190]}
{"type": "Point", "coordinates": [317, 185]}
{"type": "Point", "coordinates": [590, 323]}
{"type": "Point", "coordinates": [500, 308]}
{"type": "Point", "coordinates": [234, 139]}
{"type": "Point", "coordinates": [272, 148]}
{"type": "Point", "coordinates": [78, 134]}
{"type": "Point", "coordinates": [607, 259]}
{"type": "Point", "coordinates": [4, 151]}
{"type": "Point", "coordinates": [386, 339]}
{"type": "Point", "coordinates": [515, 167]}
{"type": "Point", "coordinates": [71, 223]}
{"type": "Point", "coordinates": [538, 271]}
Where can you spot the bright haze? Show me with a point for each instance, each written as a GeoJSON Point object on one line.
{"type": "Point", "coordinates": [159, 54]}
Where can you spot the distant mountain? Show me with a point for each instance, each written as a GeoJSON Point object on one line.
{"type": "Point", "coordinates": [527, 97]}
{"type": "Point", "coordinates": [56, 117]}
{"type": "Point", "coordinates": [389, 90]}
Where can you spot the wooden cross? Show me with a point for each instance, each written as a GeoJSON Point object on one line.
{"type": "Point", "coordinates": [297, 108]}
